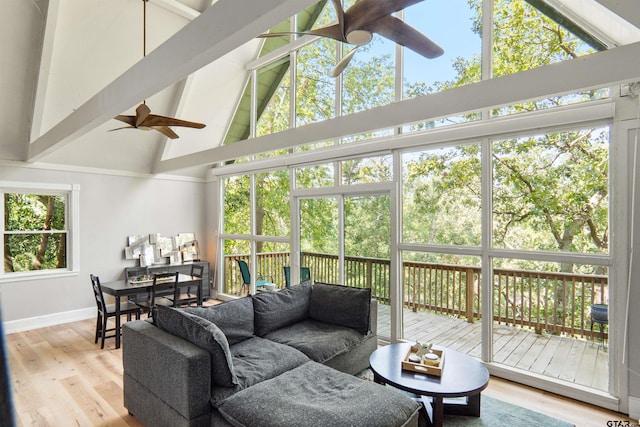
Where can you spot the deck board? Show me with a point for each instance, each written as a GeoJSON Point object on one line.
{"type": "Point", "coordinates": [559, 357]}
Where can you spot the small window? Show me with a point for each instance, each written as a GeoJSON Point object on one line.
{"type": "Point", "coordinates": [37, 228]}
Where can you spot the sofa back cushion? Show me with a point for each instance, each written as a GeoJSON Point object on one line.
{"type": "Point", "coordinates": [204, 334]}
{"type": "Point", "coordinates": [341, 305]}
{"type": "Point", "coordinates": [234, 318]}
{"type": "Point", "coordinates": [275, 310]}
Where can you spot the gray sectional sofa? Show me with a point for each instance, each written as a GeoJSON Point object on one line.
{"type": "Point", "coordinates": [285, 358]}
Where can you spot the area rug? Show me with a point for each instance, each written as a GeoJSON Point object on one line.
{"type": "Point", "coordinates": [495, 413]}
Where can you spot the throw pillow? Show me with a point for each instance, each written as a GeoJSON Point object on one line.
{"type": "Point", "coordinates": [275, 310]}
{"type": "Point", "coordinates": [202, 333]}
{"type": "Point", "coordinates": [234, 318]}
{"type": "Point", "coordinates": [341, 305]}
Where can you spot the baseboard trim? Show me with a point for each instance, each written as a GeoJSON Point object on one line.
{"type": "Point", "coordinates": [37, 322]}
{"type": "Point", "coordinates": [634, 408]}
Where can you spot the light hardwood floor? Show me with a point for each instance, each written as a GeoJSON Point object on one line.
{"type": "Point", "coordinates": [61, 378]}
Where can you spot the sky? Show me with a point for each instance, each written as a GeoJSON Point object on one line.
{"type": "Point", "coordinates": [446, 22]}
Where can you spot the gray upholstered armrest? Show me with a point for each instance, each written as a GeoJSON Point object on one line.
{"type": "Point", "coordinates": [373, 316]}
{"type": "Point", "coordinates": [171, 369]}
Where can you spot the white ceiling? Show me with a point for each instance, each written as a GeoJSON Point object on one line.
{"type": "Point", "coordinates": [69, 66]}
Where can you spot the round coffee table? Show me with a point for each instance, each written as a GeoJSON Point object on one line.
{"type": "Point", "coordinates": [462, 376]}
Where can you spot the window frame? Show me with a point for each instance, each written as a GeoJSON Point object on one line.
{"type": "Point", "coordinates": [72, 213]}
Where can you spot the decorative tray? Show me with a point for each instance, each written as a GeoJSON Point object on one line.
{"type": "Point", "coordinates": [420, 366]}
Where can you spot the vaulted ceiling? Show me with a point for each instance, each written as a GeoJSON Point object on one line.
{"type": "Point", "coordinates": [70, 66]}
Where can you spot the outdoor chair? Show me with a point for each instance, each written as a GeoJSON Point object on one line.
{"type": "Point", "coordinates": [305, 274]}
{"type": "Point", "coordinates": [106, 311]}
{"type": "Point", "coordinates": [246, 276]}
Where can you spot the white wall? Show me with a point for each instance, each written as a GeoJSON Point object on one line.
{"type": "Point", "coordinates": [112, 207]}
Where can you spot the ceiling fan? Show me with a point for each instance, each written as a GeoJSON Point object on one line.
{"type": "Point", "coordinates": [357, 24]}
{"type": "Point", "coordinates": [144, 119]}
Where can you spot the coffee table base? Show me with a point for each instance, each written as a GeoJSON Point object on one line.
{"type": "Point", "coordinates": [435, 408]}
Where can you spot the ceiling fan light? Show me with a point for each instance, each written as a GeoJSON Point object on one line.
{"type": "Point", "coordinates": [359, 37]}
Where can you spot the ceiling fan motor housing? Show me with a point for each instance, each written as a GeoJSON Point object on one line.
{"type": "Point", "coordinates": [359, 37]}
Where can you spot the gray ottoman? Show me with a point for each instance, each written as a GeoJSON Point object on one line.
{"type": "Point", "coordinates": [316, 395]}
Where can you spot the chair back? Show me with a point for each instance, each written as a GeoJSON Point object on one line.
{"type": "Point", "coordinates": [305, 274]}
{"type": "Point", "coordinates": [197, 271]}
{"type": "Point", "coordinates": [97, 293]}
{"type": "Point", "coordinates": [164, 284]}
{"type": "Point", "coordinates": [137, 272]}
{"type": "Point", "coordinates": [287, 276]}
{"type": "Point", "coordinates": [244, 271]}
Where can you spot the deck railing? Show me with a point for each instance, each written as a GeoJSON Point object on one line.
{"type": "Point", "coordinates": [541, 301]}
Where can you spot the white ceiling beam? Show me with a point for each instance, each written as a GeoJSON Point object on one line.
{"type": "Point", "coordinates": [600, 69]}
{"type": "Point", "coordinates": [182, 89]}
{"type": "Point", "coordinates": [627, 9]}
{"type": "Point", "coordinates": [224, 26]}
{"type": "Point", "coordinates": [42, 82]}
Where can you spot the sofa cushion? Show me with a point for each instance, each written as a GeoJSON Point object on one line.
{"type": "Point", "coordinates": [316, 395]}
{"type": "Point", "coordinates": [256, 360]}
{"type": "Point", "coordinates": [234, 318]}
{"type": "Point", "coordinates": [204, 334]}
{"type": "Point", "coordinates": [341, 305]}
{"type": "Point", "coordinates": [318, 340]}
{"type": "Point", "coordinates": [273, 310]}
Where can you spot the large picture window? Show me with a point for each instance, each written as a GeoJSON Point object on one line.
{"type": "Point", "coordinates": [37, 228]}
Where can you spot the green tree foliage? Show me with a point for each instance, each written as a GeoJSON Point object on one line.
{"type": "Point", "coordinates": [30, 241]}
{"type": "Point", "coordinates": [550, 191]}
{"type": "Point", "coordinates": [442, 198]}
{"type": "Point", "coordinates": [271, 210]}
{"type": "Point", "coordinates": [367, 226]}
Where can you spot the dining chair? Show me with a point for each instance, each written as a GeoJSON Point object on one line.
{"type": "Point", "coordinates": [133, 273]}
{"type": "Point", "coordinates": [305, 274]}
{"type": "Point", "coordinates": [105, 311]}
{"type": "Point", "coordinates": [246, 276]}
{"type": "Point", "coordinates": [164, 291]}
{"type": "Point", "coordinates": [189, 297]}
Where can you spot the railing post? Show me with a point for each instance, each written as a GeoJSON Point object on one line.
{"type": "Point", "coordinates": [470, 294]}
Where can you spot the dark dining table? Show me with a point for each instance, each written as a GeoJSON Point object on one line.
{"type": "Point", "coordinates": [123, 288]}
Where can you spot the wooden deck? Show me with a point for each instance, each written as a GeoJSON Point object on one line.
{"type": "Point", "coordinates": [578, 361]}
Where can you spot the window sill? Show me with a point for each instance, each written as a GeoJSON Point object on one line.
{"type": "Point", "coordinates": [36, 275]}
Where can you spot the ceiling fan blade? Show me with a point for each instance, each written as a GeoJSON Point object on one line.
{"type": "Point", "coordinates": [404, 34]}
{"type": "Point", "coordinates": [130, 120]}
{"type": "Point", "coordinates": [281, 34]}
{"type": "Point", "coordinates": [166, 132]}
{"type": "Point", "coordinates": [123, 127]}
{"type": "Point", "coordinates": [155, 120]}
{"type": "Point", "coordinates": [340, 66]}
{"type": "Point", "coordinates": [333, 31]}
{"type": "Point", "coordinates": [142, 112]}
{"type": "Point", "coordinates": [337, 4]}
{"type": "Point", "coordinates": [365, 12]}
